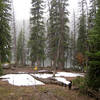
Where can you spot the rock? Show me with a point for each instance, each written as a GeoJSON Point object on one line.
{"type": "Point", "coordinates": [5, 66]}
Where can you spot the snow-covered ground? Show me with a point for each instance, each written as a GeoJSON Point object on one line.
{"type": "Point", "coordinates": [41, 71]}
{"type": "Point", "coordinates": [21, 80]}
{"type": "Point", "coordinates": [63, 80]}
{"type": "Point", "coordinates": [58, 74]}
{"type": "Point", "coordinates": [68, 74]}
{"type": "Point", "coordinates": [27, 79]}
{"type": "Point", "coordinates": [44, 76]}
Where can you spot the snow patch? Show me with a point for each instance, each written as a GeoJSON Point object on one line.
{"type": "Point", "coordinates": [63, 80]}
{"type": "Point", "coordinates": [21, 80]}
{"type": "Point", "coordinates": [6, 64]}
{"type": "Point", "coordinates": [41, 71]}
{"type": "Point", "coordinates": [44, 76]}
{"type": "Point", "coordinates": [68, 74]}
{"type": "Point", "coordinates": [21, 72]}
{"type": "Point", "coordinates": [59, 74]}
{"type": "Point", "coordinates": [27, 80]}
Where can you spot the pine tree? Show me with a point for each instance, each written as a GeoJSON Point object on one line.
{"type": "Point", "coordinates": [5, 37]}
{"type": "Point", "coordinates": [20, 48]}
{"type": "Point", "coordinates": [71, 50]}
{"type": "Point", "coordinates": [37, 38]}
{"type": "Point", "coordinates": [92, 13]}
{"type": "Point", "coordinates": [24, 44]}
{"type": "Point", "coordinates": [58, 32]}
{"type": "Point", "coordinates": [73, 41]}
{"type": "Point", "coordinates": [82, 33]}
{"type": "Point", "coordinates": [93, 76]}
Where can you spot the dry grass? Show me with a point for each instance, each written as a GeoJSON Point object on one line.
{"type": "Point", "coordinates": [47, 92]}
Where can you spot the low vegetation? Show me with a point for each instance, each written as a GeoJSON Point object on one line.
{"type": "Point", "coordinates": [47, 92]}
{"type": "Point", "coordinates": [1, 70]}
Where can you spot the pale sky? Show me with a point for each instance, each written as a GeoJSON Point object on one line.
{"type": "Point", "coordinates": [22, 11]}
{"type": "Point", "coordinates": [22, 8]}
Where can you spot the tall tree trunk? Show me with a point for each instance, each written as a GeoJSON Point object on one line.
{"type": "Point", "coordinates": [61, 36]}
{"type": "Point", "coordinates": [51, 63]}
{"type": "Point", "coordinates": [38, 62]}
{"type": "Point", "coordinates": [74, 50]}
{"type": "Point", "coordinates": [43, 63]}
{"type": "Point", "coordinates": [14, 34]}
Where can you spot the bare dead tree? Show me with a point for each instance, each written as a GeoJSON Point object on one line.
{"type": "Point", "coordinates": [13, 34]}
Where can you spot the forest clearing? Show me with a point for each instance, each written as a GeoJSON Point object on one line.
{"type": "Point", "coordinates": [49, 49]}
{"type": "Point", "coordinates": [44, 91]}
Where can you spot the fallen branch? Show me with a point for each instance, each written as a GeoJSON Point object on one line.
{"type": "Point", "coordinates": [3, 78]}
{"type": "Point", "coordinates": [50, 81]}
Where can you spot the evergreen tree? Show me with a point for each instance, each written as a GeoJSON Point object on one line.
{"type": "Point", "coordinates": [93, 75]}
{"type": "Point", "coordinates": [20, 48]}
{"type": "Point", "coordinates": [1, 70]}
{"type": "Point", "coordinates": [58, 34]}
{"type": "Point", "coordinates": [92, 13]}
{"type": "Point", "coordinates": [5, 38]}
{"type": "Point", "coordinates": [82, 32]}
{"type": "Point", "coordinates": [73, 43]}
{"type": "Point", "coordinates": [37, 38]}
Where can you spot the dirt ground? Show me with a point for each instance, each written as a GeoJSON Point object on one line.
{"type": "Point", "coordinates": [47, 92]}
{"type": "Point", "coordinates": [16, 70]}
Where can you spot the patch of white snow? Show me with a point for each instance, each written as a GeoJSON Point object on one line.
{"type": "Point", "coordinates": [63, 80]}
{"type": "Point", "coordinates": [21, 80]}
{"type": "Point", "coordinates": [43, 75]}
{"type": "Point", "coordinates": [68, 74]}
{"type": "Point", "coordinates": [41, 71]}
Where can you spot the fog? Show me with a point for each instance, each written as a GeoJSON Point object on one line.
{"type": "Point", "coordinates": [22, 10]}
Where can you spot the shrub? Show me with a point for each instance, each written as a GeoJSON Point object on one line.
{"type": "Point", "coordinates": [80, 82]}
{"type": "Point", "coordinates": [1, 70]}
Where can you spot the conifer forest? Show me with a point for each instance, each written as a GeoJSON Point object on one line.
{"type": "Point", "coordinates": [52, 52]}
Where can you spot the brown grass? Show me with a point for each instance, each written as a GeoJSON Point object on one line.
{"type": "Point", "coordinates": [47, 92]}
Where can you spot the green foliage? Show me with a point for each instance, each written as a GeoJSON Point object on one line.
{"type": "Point", "coordinates": [5, 38]}
{"type": "Point", "coordinates": [1, 70]}
{"type": "Point", "coordinates": [20, 48]}
{"type": "Point", "coordinates": [92, 13]}
{"type": "Point", "coordinates": [80, 82]}
{"type": "Point", "coordinates": [93, 75]}
{"type": "Point", "coordinates": [82, 34]}
{"type": "Point", "coordinates": [92, 55]}
{"type": "Point", "coordinates": [85, 68]}
{"type": "Point", "coordinates": [58, 31]}
{"type": "Point", "coordinates": [37, 38]}
{"type": "Point", "coordinates": [81, 42]}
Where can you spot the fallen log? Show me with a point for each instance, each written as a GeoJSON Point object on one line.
{"type": "Point", "coordinates": [3, 78]}
{"type": "Point", "coordinates": [50, 81]}
{"type": "Point", "coordinates": [45, 71]}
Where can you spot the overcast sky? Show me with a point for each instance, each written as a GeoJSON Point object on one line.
{"type": "Point", "coordinates": [22, 12]}
{"type": "Point", "coordinates": [22, 8]}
